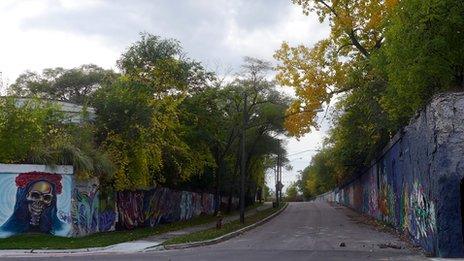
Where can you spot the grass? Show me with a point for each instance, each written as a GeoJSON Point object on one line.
{"type": "Point", "coordinates": [44, 241]}
{"type": "Point", "coordinates": [226, 228]}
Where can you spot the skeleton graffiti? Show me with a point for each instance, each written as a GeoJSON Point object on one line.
{"type": "Point", "coordinates": [35, 207]}
{"type": "Point", "coordinates": [39, 198]}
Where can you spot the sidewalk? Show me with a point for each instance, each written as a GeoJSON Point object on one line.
{"type": "Point", "coordinates": [128, 247]}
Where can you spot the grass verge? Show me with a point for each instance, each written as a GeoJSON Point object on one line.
{"type": "Point", "coordinates": [227, 228]}
{"type": "Point", "coordinates": [43, 241]}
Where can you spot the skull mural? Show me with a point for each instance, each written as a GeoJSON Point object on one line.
{"type": "Point", "coordinates": [39, 198]}
{"type": "Point", "coordinates": [35, 208]}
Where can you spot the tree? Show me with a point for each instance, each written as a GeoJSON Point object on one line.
{"type": "Point", "coordinates": [71, 85]}
{"type": "Point", "coordinates": [320, 176]}
{"type": "Point", "coordinates": [291, 194]}
{"type": "Point", "coordinates": [213, 117]}
{"type": "Point", "coordinates": [265, 113]}
{"type": "Point", "coordinates": [139, 116]}
{"type": "Point", "coordinates": [424, 54]}
{"type": "Point", "coordinates": [161, 65]}
{"type": "Point", "coordinates": [415, 52]}
{"type": "Point", "coordinates": [318, 73]}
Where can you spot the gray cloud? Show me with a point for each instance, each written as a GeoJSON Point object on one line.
{"type": "Point", "coordinates": [202, 26]}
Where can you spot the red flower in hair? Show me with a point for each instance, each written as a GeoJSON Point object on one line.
{"type": "Point", "coordinates": [23, 179]}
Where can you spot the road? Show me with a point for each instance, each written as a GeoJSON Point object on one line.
{"type": "Point", "coordinates": [304, 231]}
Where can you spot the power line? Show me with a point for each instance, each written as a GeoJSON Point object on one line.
{"type": "Point", "coordinates": [302, 152]}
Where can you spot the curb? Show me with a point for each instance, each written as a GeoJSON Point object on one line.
{"type": "Point", "coordinates": [52, 251]}
{"type": "Point", "coordinates": [94, 250]}
{"type": "Point", "coordinates": [218, 239]}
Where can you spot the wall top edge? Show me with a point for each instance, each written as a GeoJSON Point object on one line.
{"type": "Point", "coordinates": [23, 168]}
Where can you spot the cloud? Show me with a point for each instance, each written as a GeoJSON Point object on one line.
{"type": "Point", "coordinates": [211, 31]}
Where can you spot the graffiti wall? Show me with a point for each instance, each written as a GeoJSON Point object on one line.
{"type": "Point", "coordinates": [35, 198]}
{"type": "Point", "coordinates": [160, 206]}
{"type": "Point", "coordinates": [38, 199]}
{"type": "Point", "coordinates": [92, 211]}
{"type": "Point", "coordinates": [415, 183]}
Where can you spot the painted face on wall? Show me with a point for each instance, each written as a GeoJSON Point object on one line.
{"type": "Point", "coordinates": [39, 198]}
{"type": "Point", "coordinates": [35, 208]}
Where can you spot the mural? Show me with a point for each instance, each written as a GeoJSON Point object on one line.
{"type": "Point", "coordinates": [35, 202]}
{"type": "Point", "coordinates": [44, 202]}
{"type": "Point", "coordinates": [85, 210]}
{"type": "Point", "coordinates": [421, 214]}
{"type": "Point", "coordinates": [397, 189]}
{"type": "Point", "coordinates": [107, 212]}
{"type": "Point", "coordinates": [403, 201]}
{"type": "Point", "coordinates": [159, 206]}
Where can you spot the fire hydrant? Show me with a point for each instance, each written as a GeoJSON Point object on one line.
{"type": "Point", "coordinates": [219, 220]}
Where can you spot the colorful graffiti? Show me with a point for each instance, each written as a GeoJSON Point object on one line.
{"type": "Point", "coordinates": [85, 210]}
{"type": "Point", "coordinates": [160, 206]}
{"type": "Point", "coordinates": [422, 213]}
{"type": "Point", "coordinates": [59, 205]}
{"type": "Point", "coordinates": [415, 183]}
{"type": "Point", "coordinates": [386, 201]}
{"type": "Point", "coordinates": [402, 201]}
{"type": "Point", "coordinates": [92, 212]}
{"type": "Point", "coordinates": [35, 202]}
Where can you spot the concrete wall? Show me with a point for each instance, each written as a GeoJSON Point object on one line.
{"type": "Point", "coordinates": [160, 205]}
{"type": "Point", "coordinates": [35, 198]}
{"type": "Point", "coordinates": [94, 212]}
{"type": "Point", "coordinates": [415, 183]}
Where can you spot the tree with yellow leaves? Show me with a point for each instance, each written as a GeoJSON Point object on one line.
{"type": "Point", "coordinates": [318, 73]}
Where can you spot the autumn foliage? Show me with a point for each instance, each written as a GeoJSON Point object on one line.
{"type": "Point", "coordinates": [382, 61]}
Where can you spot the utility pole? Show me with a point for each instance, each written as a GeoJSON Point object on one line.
{"type": "Point", "coordinates": [278, 177]}
{"type": "Point", "coordinates": [277, 180]}
{"type": "Point", "coordinates": [243, 160]}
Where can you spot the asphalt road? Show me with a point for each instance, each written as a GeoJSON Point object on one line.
{"type": "Point", "coordinates": [304, 231]}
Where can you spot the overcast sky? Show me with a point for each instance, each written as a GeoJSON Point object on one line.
{"type": "Point", "coordinates": [39, 34]}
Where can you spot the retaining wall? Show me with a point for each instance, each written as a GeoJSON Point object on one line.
{"type": "Point", "coordinates": [415, 185]}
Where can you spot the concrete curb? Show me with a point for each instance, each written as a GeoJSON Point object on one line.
{"type": "Point", "coordinates": [218, 239]}
{"type": "Point", "coordinates": [126, 247]}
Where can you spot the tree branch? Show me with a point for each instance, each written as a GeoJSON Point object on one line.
{"type": "Point", "coordinates": [354, 40]}
{"type": "Point", "coordinates": [328, 7]}
{"type": "Point", "coordinates": [378, 43]}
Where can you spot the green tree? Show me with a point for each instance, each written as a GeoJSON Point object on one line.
{"type": "Point", "coordinates": [74, 85]}
{"type": "Point", "coordinates": [292, 194]}
{"type": "Point", "coordinates": [139, 116]}
{"type": "Point", "coordinates": [424, 54]}
{"type": "Point", "coordinates": [161, 65]}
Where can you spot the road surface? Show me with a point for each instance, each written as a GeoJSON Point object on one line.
{"type": "Point", "coordinates": [304, 231]}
